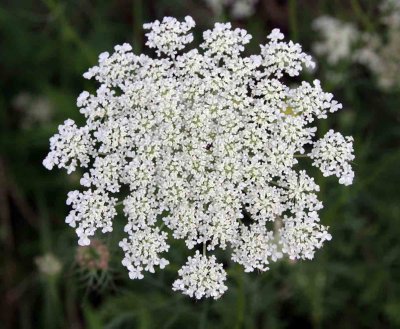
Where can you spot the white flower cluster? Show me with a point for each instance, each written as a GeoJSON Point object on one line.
{"type": "Point", "coordinates": [90, 210]}
{"type": "Point", "coordinates": [237, 8]}
{"type": "Point", "coordinates": [332, 154]}
{"type": "Point", "coordinates": [379, 52]}
{"type": "Point", "coordinates": [169, 36]}
{"type": "Point", "coordinates": [142, 249]}
{"type": "Point", "coordinates": [71, 147]}
{"type": "Point", "coordinates": [207, 144]}
{"type": "Point", "coordinates": [255, 248]}
{"type": "Point", "coordinates": [201, 277]}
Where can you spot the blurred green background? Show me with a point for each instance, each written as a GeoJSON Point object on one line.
{"type": "Point", "coordinates": [47, 282]}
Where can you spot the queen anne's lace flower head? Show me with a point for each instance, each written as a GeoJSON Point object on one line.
{"type": "Point", "coordinates": [207, 143]}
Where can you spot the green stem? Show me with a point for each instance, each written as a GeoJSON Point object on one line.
{"type": "Point", "coordinates": [204, 313]}
{"type": "Point", "coordinates": [67, 30]}
{"type": "Point", "coordinates": [240, 304]}
{"type": "Point", "coordinates": [361, 15]}
{"type": "Point", "coordinates": [276, 184]}
{"type": "Point", "coordinates": [137, 12]}
{"type": "Point", "coordinates": [293, 20]}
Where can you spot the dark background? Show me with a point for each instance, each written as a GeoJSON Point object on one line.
{"type": "Point", "coordinates": [46, 282]}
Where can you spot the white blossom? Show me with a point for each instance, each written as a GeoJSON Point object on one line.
{"type": "Point", "coordinates": [170, 35]}
{"type": "Point", "coordinates": [300, 236]}
{"type": "Point", "coordinates": [142, 251]}
{"type": "Point", "coordinates": [105, 173]}
{"type": "Point", "coordinates": [223, 41]}
{"type": "Point", "coordinates": [202, 145]}
{"type": "Point", "coordinates": [71, 147]}
{"type": "Point", "coordinates": [332, 155]}
{"type": "Point", "coordinates": [90, 210]}
{"type": "Point", "coordinates": [200, 277]}
{"type": "Point", "coordinates": [284, 57]}
{"type": "Point", "coordinates": [255, 248]}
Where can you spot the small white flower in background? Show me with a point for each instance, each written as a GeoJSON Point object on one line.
{"type": "Point", "coordinates": [390, 10]}
{"type": "Point", "coordinates": [207, 143]}
{"type": "Point", "coordinates": [48, 264]}
{"type": "Point", "coordinates": [242, 8]}
{"type": "Point", "coordinates": [337, 39]}
{"type": "Point", "coordinates": [379, 52]}
{"type": "Point", "coordinates": [35, 109]}
{"type": "Point", "coordinates": [237, 8]}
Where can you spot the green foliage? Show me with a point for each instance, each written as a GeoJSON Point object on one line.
{"type": "Point", "coordinates": [352, 283]}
